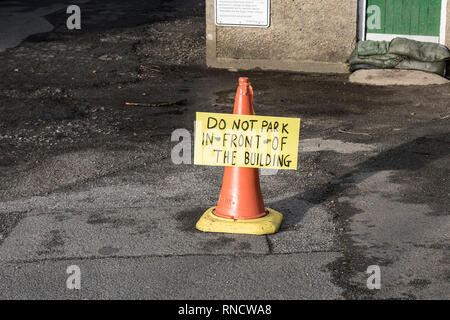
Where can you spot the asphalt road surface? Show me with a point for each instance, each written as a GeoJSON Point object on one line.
{"type": "Point", "coordinates": [86, 180]}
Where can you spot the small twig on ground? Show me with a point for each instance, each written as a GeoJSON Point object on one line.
{"type": "Point", "coordinates": [357, 133]}
{"type": "Point", "coordinates": [157, 104]}
{"type": "Point", "coordinates": [153, 69]}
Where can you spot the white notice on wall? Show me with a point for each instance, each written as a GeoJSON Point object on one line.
{"type": "Point", "coordinates": [247, 13]}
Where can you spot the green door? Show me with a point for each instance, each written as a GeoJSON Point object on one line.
{"type": "Point", "coordinates": [416, 19]}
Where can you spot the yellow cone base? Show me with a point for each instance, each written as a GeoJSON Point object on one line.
{"type": "Point", "coordinates": [266, 225]}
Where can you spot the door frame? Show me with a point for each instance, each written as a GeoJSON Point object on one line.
{"type": "Point", "coordinates": [362, 8]}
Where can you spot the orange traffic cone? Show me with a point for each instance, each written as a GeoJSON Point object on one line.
{"type": "Point", "coordinates": [241, 207]}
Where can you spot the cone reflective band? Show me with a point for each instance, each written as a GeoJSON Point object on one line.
{"type": "Point", "coordinates": [240, 208]}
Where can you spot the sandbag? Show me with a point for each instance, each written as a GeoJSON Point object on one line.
{"type": "Point", "coordinates": [354, 67]}
{"type": "Point", "coordinates": [401, 53]}
{"type": "Point", "coordinates": [417, 50]}
{"type": "Point", "coordinates": [369, 47]}
{"type": "Point", "coordinates": [380, 60]}
{"type": "Point", "coordinates": [438, 67]}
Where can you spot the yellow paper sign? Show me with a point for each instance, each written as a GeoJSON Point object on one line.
{"type": "Point", "coordinates": [246, 141]}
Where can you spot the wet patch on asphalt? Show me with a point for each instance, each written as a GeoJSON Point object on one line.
{"type": "Point", "coordinates": [52, 243]}
{"type": "Point", "coordinates": [186, 220]}
{"type": "Point", "coordinates": [354, 260]}
{"type": "Point", "coordinates": [221, 242]}
{"type": "Point", "coordinates": [8, 220]}
{"type": "Point", "coordinates": [106, 251]}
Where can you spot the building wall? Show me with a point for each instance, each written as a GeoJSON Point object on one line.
{"type": "Point", "coordinates": [447, 32]}
{"type": "Point", "coordinates": [307, 35]}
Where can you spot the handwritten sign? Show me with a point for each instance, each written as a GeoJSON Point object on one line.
{"type": "Point", "coordinates": [246, 141]}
